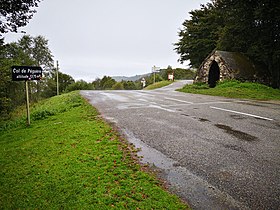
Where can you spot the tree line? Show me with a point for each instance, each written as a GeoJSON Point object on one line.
{"type": "Point", "coordinates": [247, 26]}
{"type": "Point", "coordinates": [34, 51]}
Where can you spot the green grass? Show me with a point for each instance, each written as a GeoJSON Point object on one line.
{"type": "Point", "coordinates": [158, 85]}
{"type": "Point", "coordinates": [235, 89]}
{"type": "Point", "coordinates": [69, 158]}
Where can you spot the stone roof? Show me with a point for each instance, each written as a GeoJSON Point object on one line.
{"type": "Point", "coordinates": [238, 64]}
{"type": "Point", "coordinates": [233, 65]}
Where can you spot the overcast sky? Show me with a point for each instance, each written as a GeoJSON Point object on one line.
{"type": "Point", "coordinates": [93, 38]}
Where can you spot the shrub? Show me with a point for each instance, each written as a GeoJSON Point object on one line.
{"type": "Point", "coordinates": [118, 86]}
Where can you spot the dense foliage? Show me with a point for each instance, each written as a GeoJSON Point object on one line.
{"type": "Point", "coordinates": [178, 73]}
{"type": "Point", "coordinates": [15, 14]}
{"type": "Point", "coordinates": [28, 51]}
{"type": "Point", "coordinates": [246, 26]}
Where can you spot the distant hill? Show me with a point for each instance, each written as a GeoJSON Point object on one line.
{"type": "Point", "coordinates": [133, 78]}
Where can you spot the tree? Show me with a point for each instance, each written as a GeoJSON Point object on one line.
{"type": "Point", "coordinates": [246, 26]}
{"type": "Point", "coordinates": [50, 85]}
{"type": "Point", "coordinates": [164, 72]}
{"type": "Point", "coordinates": [253, 28]}
{"type": "Point", "coordinates": [266, 46]}
{"type": "Point", "coordinates": [150, 79]}
{"type": "Point", "coordinates": [96, 84]}
{"type": "Point", "coordinates": [79, 85]}
{"type": "Point", "coordinates": [118, 86]}
{"type": "Point", "coordinates": [179, 73]}
{"type": "Point", "coordinates": [238, 32]}
{"type": "Point", "coordinates": [38, 50]}
{"type": "Point", "coordinates": [129, 85]}
{"type": "Point", "coordinates": [15, 14]}
{"type": "Point", "coordinates": [11, 93]}
{"type": "Point", "coordinates": [27, 51]}
{"type": "Point", "coordinates": [199, 35]}
{"type": "Point", "coordinates": [107, 83]}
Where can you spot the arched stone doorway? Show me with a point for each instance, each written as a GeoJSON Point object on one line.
{"type": "Point", "coordinates": [214, 74]}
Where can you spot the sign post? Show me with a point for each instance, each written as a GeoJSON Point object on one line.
{"type": "Point", "coordinates": [57, 83]}
{"type": "Point", "coordinates": [26, 73]}
{"type": "Point", "coordinates": [154, 70]}
{"type": "Point", "coordinates": [27, 103]}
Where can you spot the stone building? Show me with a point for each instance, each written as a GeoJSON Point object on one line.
{"type": "Point", "coordinates": [221, 65]}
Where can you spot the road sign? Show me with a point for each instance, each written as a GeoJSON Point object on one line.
{"type": "Point", "coordinates": [25, 73]}
{"type": "Point", "coordinates": [171, 76]}
{"type": "Point", "coordinates": [155, 69]}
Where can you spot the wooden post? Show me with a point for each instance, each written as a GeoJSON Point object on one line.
{"type": "Point", "coordinates": [27, 103]}
{"type": "Point", "coordinates": [57, 83]}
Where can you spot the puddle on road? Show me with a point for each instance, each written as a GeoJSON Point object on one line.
{"type": "Point", "coordinates": [193, 189]}
{"type": "Point", "coordinates": [238, 134]}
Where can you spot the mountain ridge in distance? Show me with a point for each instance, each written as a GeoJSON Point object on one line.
{"type": "Point", "coordinates": [132, 78]}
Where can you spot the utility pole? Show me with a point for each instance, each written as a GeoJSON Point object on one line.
{"type": "Point", "coordinates": [57, 84]}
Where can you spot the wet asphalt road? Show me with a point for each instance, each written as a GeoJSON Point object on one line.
{"type": "Point", "coordinates": [216, 153]}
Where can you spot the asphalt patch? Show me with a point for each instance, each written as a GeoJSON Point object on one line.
{"type": "Point", "coordinates": [203, 120]}
{"type": "Point", "coordinates": [234, 147]}
{"type": "Point", "coordinates": [236, 133]}
{"type": "Point", "coordinates": [185, 115]}
{"type": "Point", "coordinates": [237, 117]}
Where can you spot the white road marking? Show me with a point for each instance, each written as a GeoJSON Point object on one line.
{"type": "Point", "coordinates": [159, 107]}
{"type": "Point", "coordinates": [173, 99]}
{"type": "Point", "coordinates": [142, 99]}
{"type": "Point", "coordinates": [242, 113]}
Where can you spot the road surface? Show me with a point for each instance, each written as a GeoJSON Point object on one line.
{"type": "Point", "coordinates": [216, 153]}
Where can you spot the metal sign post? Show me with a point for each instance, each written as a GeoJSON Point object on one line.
{"type": "Point", "coordinates": [26, 73]}
{"type": "Point", "coordinates": [154, 70]}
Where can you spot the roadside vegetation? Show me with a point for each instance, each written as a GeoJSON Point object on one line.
{"type": "Point", "coordinates": [158, 85]}
{"type": "Point", "coordinates": [69, 158]}
{"type": "Point", "coordinates": [235, 89]}
{"type": "Point", "coordinates": [24, 52]}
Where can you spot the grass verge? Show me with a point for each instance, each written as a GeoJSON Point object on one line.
{"type": "Point", "coordinates": [69, 158]}
{"type": "Point", "coordinates": [235, 89]}
{"type": "Point", "coordinates": [158, 85]}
